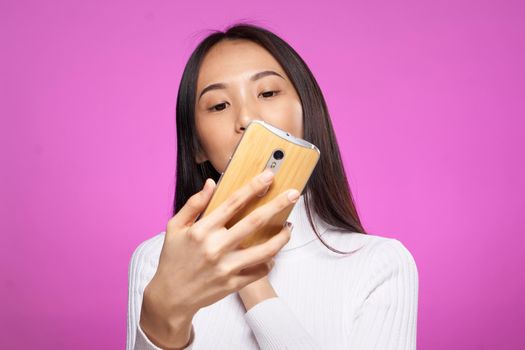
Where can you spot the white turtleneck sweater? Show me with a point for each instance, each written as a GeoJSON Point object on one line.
{"type": "Point", "coordinates": [364, 300]}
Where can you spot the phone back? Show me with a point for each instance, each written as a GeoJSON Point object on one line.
{"type": "Point", "coordinates": [260, 147]}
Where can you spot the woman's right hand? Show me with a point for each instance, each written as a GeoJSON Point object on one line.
{"type": "Point", "coordinates": [199, 262]}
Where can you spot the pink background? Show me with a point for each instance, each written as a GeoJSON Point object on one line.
{"type": "Point", "coordinates": [427, 100]}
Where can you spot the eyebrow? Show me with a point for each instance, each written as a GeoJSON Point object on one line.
{"type": "Point", "coordinates": [254, 77]}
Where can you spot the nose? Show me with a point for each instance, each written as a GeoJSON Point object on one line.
{"type": "Point", "coordinates": [246, 115]}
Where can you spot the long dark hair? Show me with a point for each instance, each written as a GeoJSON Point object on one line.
{"type": "Point", "coordinates": [331, 198]}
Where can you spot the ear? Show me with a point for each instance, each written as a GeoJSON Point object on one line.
{"type": "Point", "coordinates": [201, 156]}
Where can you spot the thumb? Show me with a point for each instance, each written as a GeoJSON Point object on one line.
{"type": "Point", "coordinates": [195, 205]}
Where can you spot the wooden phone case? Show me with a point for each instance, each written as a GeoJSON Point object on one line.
{"type": "Point", "coordinates": [251, 156]}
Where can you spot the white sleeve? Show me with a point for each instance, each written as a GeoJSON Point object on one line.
{"type": "Point", "coordinates": [276, 327]}
{"type": "Point", "coordinates": [143, 343]}
{"type": "Point", "coordinates": [142, 267]}
{"type": "Point", "coordinates": [387, 318]}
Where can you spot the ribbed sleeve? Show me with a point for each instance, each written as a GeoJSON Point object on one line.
{"type": "Point", "coordinates": [144, 261]}
{"type": "Point", "coordinates": [366, 300]}
{"type": "Point", "coordinates": [276, 327]}
{"type": "Point", "coordinates": [387, 317]}
{"type": "Point", "coordinates": [143, 343]}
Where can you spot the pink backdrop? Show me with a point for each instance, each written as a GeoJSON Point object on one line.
{"type": "Point", "coordinates": [427, 99]}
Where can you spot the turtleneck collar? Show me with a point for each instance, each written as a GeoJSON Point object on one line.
{"type": "Point", "coordinates": [302, 231]}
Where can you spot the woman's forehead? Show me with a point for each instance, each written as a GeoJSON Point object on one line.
{"type": "Point", "coordinates": [236, 59]}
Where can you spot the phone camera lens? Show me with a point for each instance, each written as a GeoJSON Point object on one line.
{"type": "Point", "coordinates": [278, 155]}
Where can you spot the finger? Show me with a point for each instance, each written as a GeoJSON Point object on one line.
{"type": "Point", "coordinates": [260, 253]}
{"type": "Point", "coordinates": [187, 215]}
{"type": "Point", "coordinates": [238, 199]}
{"type": "Point", "coordinates": [258, 218]}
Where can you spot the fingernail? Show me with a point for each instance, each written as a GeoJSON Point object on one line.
{"type": "Point", "coordinates": [293, 195]}
{"type": "Point", "coordinates": [207, 184]}
{"type": "Point", "coordinates": [267, 175]}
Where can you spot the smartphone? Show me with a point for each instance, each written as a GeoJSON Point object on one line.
{"type": "Point", "coordinates": [264, 146]}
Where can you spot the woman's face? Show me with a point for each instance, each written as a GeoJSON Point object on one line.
{"type": "Point", "coordinates": [240, 81]}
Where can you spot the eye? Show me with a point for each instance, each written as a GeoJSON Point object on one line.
{"type": "Point", "coordinates": [269, 93]}
{"type": "Point", "coordinates": [218, 107]}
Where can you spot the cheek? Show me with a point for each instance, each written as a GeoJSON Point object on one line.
{"type": "Point", "coordinates": [288, 116]}
{"type": "Point", "coordinates": [297, 111]}
{"type": "Point", "coordinates": [216, 140]}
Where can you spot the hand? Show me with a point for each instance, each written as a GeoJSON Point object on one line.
{"type": "Point", "coordinates": [199, 263]}
{"type": "Point", "coordinates": [258, 291]}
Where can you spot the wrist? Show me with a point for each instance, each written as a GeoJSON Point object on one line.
{"type": "Point", "coordinates": [176, 333]}
{"type": "Point", "coordinates": [167, 326]}
{"type": "Point", "coordinates": [256, 292]}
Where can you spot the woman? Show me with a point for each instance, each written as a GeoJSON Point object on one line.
{"type": "Point", "coordinates": [332, 287]}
